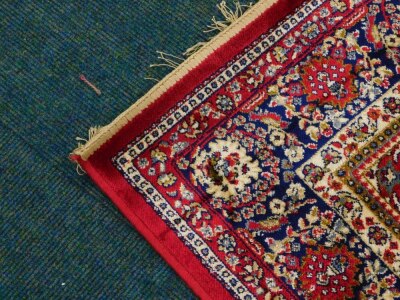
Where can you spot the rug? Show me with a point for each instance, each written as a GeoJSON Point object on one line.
{"type": "Point", "coordinates": [266, 166]}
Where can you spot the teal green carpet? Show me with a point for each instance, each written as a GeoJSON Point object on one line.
{"type": "Point", "coordinates": [61, 238]}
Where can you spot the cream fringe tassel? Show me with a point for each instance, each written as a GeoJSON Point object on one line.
{"type": "Point", "coordinates": [217, 26]}
{"type": "Point", "coordinates": [81, 143]}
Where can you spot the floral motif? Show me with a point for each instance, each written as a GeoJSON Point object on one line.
{"type": "Point", "coordinates": [224, 103]}
{"type": "Point", "coordinates": [192, 127]}
{"type": "Point", "coordinates": [377, 235]}
{"type": "Point", "coordinates": [392, 105]}
{"type": "Point", "coordinates": [295, 153]}
{"type": "Point", "coordinates": [277, 206]}
{"type": "Point", "coordinates": [330, 156]}
{"type": "Point", "coordinates": [329, 81]}
{"type": "Point", "coordinates": [329, 273]}
{"type": "Point", "coordinates": [253, 273]}
{"type": "Point", "coordinates": [166, 179]}
{"type": "Point", "coordinates": [226, 243]}
{"type": "Point", "coordinates": [313, 173]}
{"type": "Point", "coordinates": [310, 30]}
{"type": "Point", "coordinates": [296, 191]}
{"type": "Point", "coordinates": [277, 138]}
{"type": "Point", "coordinates": [225, 169]}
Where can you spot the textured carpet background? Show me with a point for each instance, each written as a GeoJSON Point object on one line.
{"type": "Point", "coordinates": [60, 236]}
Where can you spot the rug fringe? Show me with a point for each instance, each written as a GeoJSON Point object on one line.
{"type": "Point", "coordinates": [192, 50]}
{"type": "Point", "coordinates": [168, 60]}
{"type": "Point", "coordinates": [230, 15]}
{"type": "Point", "coordinates": [92, 132]}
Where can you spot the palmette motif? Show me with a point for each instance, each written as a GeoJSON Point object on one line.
{"type": "Point", "coordinates": [282, 171]}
